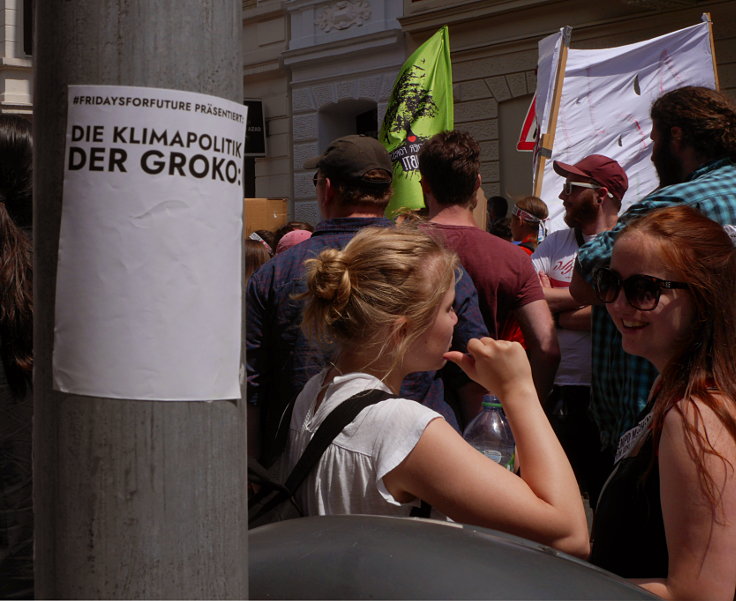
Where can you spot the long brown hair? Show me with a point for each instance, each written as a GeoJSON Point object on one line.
{"type": "Point", "coordinates": [16, 281]}
{"type": "Point", "coordinates": [256, 254]}
{"type": "Point", "coordinates": [699, 252]}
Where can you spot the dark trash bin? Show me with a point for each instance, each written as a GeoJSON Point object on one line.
{"type": "Point", "coordinates": [372, 557]}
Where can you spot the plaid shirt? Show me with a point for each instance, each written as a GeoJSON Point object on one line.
{"type": "Point", "coordinates": [621, 382]}
{"type": "Point", "coordinates": [280, 360]}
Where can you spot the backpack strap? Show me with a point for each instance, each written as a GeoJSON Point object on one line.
{"type": "Point", "coordinates": [328, 430]}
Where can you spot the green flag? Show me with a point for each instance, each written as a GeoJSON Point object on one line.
{"type": "Point", "coordinates": [420, 106]}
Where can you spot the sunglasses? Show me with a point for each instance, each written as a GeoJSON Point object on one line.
{"type": "Point", "coordinates": [642, 291]}
{"type": "Point", "coordinates": [317, 179]}
{"type": "Point", "coordinates": [568, 186]}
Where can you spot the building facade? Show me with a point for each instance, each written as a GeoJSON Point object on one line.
{"type": "Point", "coordinates": [15, 57]}
{"type": "Point", "coordinates": [334, 64]}
{"type": "Point", "coordinates": [325, 68]}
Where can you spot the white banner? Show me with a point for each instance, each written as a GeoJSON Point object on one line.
{"type": "Point", "coordinates": [606, 97]}
{"type": "Point", "coordinates": [549, 59]}
{"type": "Point", "coordinates": [148, 292]}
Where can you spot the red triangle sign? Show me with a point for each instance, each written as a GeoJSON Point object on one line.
{"type": "Point", "coordinates": [528, 135]}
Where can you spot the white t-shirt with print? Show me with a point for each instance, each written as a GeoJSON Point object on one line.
{"type": "Point", "coordinates": [555, 256]}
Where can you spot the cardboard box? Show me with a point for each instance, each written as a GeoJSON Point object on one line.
{"type": "Point", "coordinates": [480, 213]}
{"type": "Point", "coordinates": [264, 214]}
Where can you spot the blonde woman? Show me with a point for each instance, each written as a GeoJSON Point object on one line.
{"type": "Point", "coordinates": [385, 303]}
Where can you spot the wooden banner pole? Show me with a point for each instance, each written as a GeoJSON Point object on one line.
{"type": "Point", "coordinates": [547, 139]}
{"type": "Point", "coordinates": [707, 19]}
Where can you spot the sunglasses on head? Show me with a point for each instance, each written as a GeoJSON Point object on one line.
{"type": "Point", "coordinates": [642, 291]}
{"type": "Point", "coordinates": [568, 186]}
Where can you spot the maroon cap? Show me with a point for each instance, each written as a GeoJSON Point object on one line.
{"type": "Point", "coordinates": [601, 169]}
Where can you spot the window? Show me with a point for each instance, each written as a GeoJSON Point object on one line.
{"type": "Point", "coordinates": [347, 117]}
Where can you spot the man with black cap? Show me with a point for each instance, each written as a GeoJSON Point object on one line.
{"type": "Point", "coordinates": [353, 186]}
{"type": "Point", "coordinates": [592, 193]}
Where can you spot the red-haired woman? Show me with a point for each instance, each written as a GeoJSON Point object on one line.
{"type": "Point", "coordinates": [667, 515]}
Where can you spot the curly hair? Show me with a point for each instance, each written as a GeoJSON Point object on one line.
{"type": "Point", "coordinates": [706, 117]}
{"type": "Point", "coordinates": [450, 163]}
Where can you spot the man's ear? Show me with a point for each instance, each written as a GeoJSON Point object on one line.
{"type": "Point", "coordinates": [426, 190]}
{"type": "Point", "coordinates": [601, 194]}
{"type": "Point", "coordinates": [328, 194]}
{"type": "Point", "coordinates": [676, 137]}
{"type": "Point", "coordinates": [478, 182]}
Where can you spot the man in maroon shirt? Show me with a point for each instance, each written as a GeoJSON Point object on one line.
{"type": "Point", "coordinates": [507, 283]}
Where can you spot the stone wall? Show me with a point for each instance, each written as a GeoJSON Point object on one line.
{"type": "Point", "coordinates": [343, 58]}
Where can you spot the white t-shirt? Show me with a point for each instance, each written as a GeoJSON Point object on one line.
{"type": "Point", "coordinates": [555, 256]}
{"type": "Point", "coordinates": [349, 477]}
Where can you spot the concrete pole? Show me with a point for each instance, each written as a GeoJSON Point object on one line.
{"type": "Point", "coordinates": [133, 499]}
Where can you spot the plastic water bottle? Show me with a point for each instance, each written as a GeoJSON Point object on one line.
{"type": "Point", "coordinates": [489, 432]}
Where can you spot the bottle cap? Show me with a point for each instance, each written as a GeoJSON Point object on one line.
{"type": "Point", "coordinates": [491, 400]}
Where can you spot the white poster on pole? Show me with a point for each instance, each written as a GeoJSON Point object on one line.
{"type": "Point", "coordinates": [604, 108]}
{"type": "Point", "coordinates": [148, 291]}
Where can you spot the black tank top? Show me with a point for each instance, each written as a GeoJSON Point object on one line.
{"type": "Point", "coordinates": [628, 529]}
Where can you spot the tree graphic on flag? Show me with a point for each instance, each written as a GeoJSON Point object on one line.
{"type": "Point", "coordinates": [420, 106]}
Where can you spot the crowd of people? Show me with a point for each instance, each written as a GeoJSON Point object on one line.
{"type": "Point", "coordinates": [623, 392]}
{"type": "Point", "coordinates": [610, 344]}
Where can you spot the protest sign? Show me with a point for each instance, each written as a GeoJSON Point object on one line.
{"type": "Point", "coordinates": [552, 53]}
{"type": "Point", "coordinates": [528, 135]}
{"type": "Point", "coordinates": [605, 102]}
{"type": "Point", "coordinates": [420, 106]}
{"type": "Point", "coordinates": [148, 293]}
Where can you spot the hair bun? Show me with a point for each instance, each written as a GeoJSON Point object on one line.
{"type": "Point", "coordinates": [330, 279]}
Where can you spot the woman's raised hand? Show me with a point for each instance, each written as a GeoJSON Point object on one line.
{"type": "Point", "coordinates": [497, 365]}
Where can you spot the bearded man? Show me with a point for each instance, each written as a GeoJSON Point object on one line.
{"type": "Point", "coordinates": [694, 148]}
{"type": "Point", "coordinates": [592, 193]}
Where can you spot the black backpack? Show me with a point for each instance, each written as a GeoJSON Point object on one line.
{"type": "Point", "coordinates": [274, 500]}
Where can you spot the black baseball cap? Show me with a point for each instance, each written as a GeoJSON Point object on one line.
{"type": "Point", "coordinates": [349, 158]}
